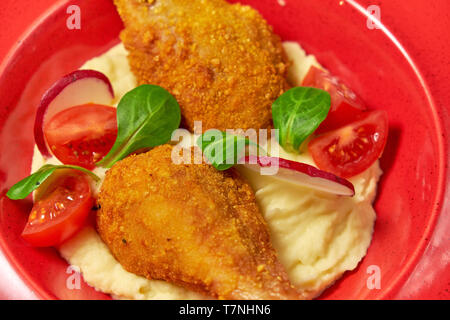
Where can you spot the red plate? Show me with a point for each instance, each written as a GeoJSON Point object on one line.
{"type": "Point", "coordinates": [410, 244]}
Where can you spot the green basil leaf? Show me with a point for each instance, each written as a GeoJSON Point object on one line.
{"type": "Point", "coordinates": [223, 150]}
{"type": "Point", "coordinates": [146, 118]}
{"type": "Point", "coordinates": [297, 113]}
{"type": "Point", "coordinates": [24, 187]}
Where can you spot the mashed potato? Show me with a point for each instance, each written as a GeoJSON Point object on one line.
{"type": "Point", "coordinates": [318, 236]}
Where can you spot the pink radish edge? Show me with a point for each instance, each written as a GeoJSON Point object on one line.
{"type": "Point", "coordinates": [52, 93]}
{"type": "Point", "coordinates": [300, 167]}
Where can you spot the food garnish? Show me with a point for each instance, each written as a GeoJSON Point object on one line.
{"type": "Point", "coordinates": [60, 210]}
{"type": "Point", "coordinates": [223, 150]}
{"type": "Point", "coordinates": [352, 149]}
{"type": "Point", "coordinates": [24, 187]}
{"type": "Point", "coordinates": [303, 174]}
{"type": "Point", "coordinates": [297, 113]}
{"type": "Point", "coordinates": [82, 135]}
{"type": "Point", "coordinates": [146, 118]}
{"type": "Point", "coordinates": [77, 88]}
{"type": "Point", "coordinates": [346, 106]}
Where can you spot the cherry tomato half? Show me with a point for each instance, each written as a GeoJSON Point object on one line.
{"type": "Point", "coordinates": [60, 211]}
{"type": "Point", "coordinates": [345, 108]}
{"type": "Point", "coordinates": [82, 135]}
{"type": "Point", "coordinates": [352, 149]}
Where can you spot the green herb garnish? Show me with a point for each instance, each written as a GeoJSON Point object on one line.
{"type": "Point", "coordinates": [24, 187]}
{"type": "Point", "coordinates": [146, 118]}
{"type": "Point", "coordinates": [298, 113]}
{"type": "Point", "coordinates": [223, 150]}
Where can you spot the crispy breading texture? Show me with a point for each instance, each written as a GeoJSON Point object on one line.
{"type": "Point", "coordinates": [222, 62]}
{"type": "Point", "coordinates": [190, 225]}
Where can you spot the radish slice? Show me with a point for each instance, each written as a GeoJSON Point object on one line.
{"type": "Point", "coordinates": [302, 174]}
{"type": "Point", "coordinates": [77, 88]}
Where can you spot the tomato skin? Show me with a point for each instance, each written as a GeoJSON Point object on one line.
{"type": "Point", "coordinates": [60, 211]}
{"type": "Point", "coordinates": [352, 149]}
{"type": "Point", "coordinates": [345, 108]}
{"type": "Point", "coordinates": [82, 135]}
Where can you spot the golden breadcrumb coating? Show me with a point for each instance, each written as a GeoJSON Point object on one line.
{"type": "Point", "coordinates": [190, 225]}
{"type": "Point", "coordinates": [222, 62]}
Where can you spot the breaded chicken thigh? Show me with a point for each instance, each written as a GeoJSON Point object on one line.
{"type": "Point", "coordinates": [222, 62]}
{"type": "Point", "coordinates": [190, 225]}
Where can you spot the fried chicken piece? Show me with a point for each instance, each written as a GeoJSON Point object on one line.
{"type": "Point", "coordinates": [222, 62]}
{"type": "Point", "coordinates": [190, 225]}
